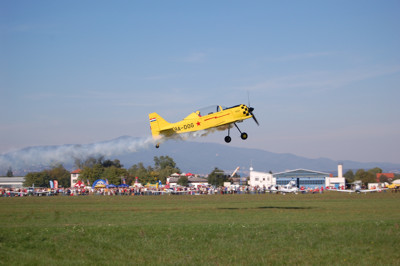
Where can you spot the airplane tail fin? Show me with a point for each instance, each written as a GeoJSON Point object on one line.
{"type": "Point", "coordinates": [157, 124]}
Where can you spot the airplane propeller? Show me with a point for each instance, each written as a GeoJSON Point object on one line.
{"type": "Point", "coordinates": [251, 109]}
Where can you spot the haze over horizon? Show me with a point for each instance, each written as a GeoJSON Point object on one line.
{"type": "Point", "coordinates": [323, 77]}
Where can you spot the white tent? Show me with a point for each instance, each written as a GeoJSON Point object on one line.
{"type": "Point", "coordinates": [397, 181]}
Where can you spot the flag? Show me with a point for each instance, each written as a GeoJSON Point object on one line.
{"type": "Point", "coordinates": [51, 184]}
{"type": "Point", "coordinates": [55, 184]}
{"type": "Point", "coordinates": [106, 181]}
{"type": "Point", "coordinates": [87, 181]}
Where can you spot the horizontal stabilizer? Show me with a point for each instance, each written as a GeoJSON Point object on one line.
{"type": "Point", "coordinates": [158, 125]}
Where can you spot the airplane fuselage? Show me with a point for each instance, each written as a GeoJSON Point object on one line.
{"type": "Point", "coordinates": [217, 117]}
{"type": "Point", "coordinates": [198, 121]}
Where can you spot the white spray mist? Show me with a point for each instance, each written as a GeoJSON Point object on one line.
{"type": "Point", "coordinates": [45, 155]}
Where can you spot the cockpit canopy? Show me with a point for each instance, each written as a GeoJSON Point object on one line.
{"type": "Point", "coordinates": [210, 110]}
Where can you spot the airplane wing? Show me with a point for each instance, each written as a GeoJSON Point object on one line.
{"type": "Point", "coordinates": [373, 190]}
{"type": "Point", "coordinates": [342, 190]}
{"type": "Point", "coordinates": [368, 190]}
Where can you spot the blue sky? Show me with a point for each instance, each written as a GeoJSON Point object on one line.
{"type": "Point", "coordinates": [323, 76]}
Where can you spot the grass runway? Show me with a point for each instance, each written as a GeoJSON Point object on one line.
{"type": "Point", "coordinates": [329, 228]}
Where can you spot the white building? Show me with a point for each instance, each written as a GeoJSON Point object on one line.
{"type": "Point", "coordinates": [12, 182]}
{"type": "Point", "coordinates": [74, 177]}
{"type": "Point", "coordinates": [193, 181]}
{"type": "Point", "coordinates": [261, 179]}
{"type": "Point", "coordinates": [338, 181]}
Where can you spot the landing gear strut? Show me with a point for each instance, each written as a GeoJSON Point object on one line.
{"type": "Point", "coordinates": [228, 138]}
{"type": "Point", "coordinates": [243, 135]}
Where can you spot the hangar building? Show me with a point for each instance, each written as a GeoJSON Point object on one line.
{"type": "Point", "coordinates": [302, 177]}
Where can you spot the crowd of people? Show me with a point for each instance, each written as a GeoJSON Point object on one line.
{"type": "Point", "coordinates": [141, 191]}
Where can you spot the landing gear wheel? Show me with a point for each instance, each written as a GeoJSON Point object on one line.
{"type": "Point", "coordinates": [157, 145]}
{"type": "Point", "coordinates": [228, 139]}
{"type": "Point", "coordinates": [244, 135]}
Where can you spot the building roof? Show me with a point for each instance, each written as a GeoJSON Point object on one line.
{"type": "Point", "coordinates": [190, 180]}
{"type": "Point", "coordinates": [197, 180]}
{"type": "Point", "coordinates": [173, 179]}
{"type": "Point", "coordinates": [300, 173]}
{"type": "Point", "coordinates": [77, 171]}
{"type": "Point", "coordinates": [15, 179]}
{"type": "Point", "coordinates": [388, 175]}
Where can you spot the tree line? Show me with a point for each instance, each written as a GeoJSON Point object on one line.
{"type": "Point", "coordinates": [94, 168]}
{"type": "Point", "coordinates": [42, 179]}
{"type": "Point", "coordinates": [366, 176]}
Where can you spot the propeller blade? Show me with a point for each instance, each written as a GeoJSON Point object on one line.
{"type": "Point", "coordinates": [255, 119]}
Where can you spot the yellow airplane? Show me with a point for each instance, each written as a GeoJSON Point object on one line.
{"type": "Point", "coordinates": [394, 186]}
{"type": "Point", "coordinates": [218, 117]}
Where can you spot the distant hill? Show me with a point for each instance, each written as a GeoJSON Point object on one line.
{"type": "Point", "coordinates": [194, 157]}
{"type": "Point", "coordinates": [202, 157]}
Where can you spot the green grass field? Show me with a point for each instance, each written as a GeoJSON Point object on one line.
{"type": "Point", "coordinates": [329, 228]}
